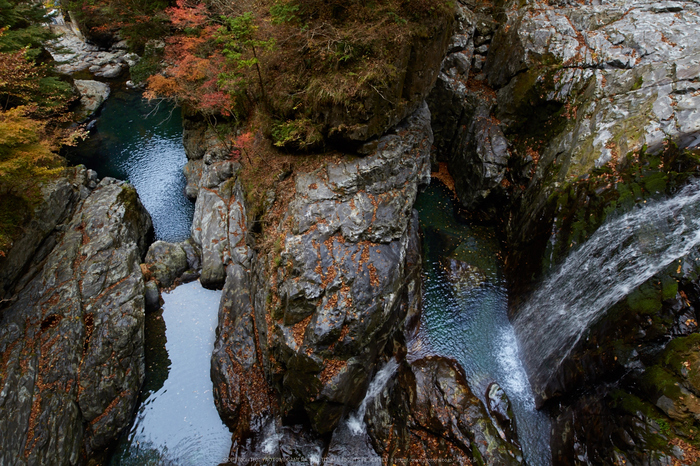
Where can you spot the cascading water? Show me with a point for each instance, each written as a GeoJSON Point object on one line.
{"type": "Point", "coordinates": [356, 422]}
{"type": "Point", "coordinates": [621, 255]}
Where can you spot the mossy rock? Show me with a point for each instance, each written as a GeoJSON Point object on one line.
{"type": "Point", "coordinates": [645, 299]}
{"type": "Point", "coordinates": [682, 357]}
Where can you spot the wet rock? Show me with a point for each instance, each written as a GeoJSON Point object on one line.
{"type": "Point", "coordinates": [346, 444]}
{"type": "Point", "coordinates": [429, 413]}
{"type": "Point", "coordinates": [464, 277]}
{"type": "Point", "coordinates": [290, 445]}
{"type": "Point", "coordinates": [92, 95]}
{"type": "Point", "coordinates": [72, 341]}
{"type": "Point", "coordinates": [152, 296]}
{"type": "Point", "coordinates": [500, 408]}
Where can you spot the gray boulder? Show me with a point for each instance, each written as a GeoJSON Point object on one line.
{"type": "Point", "coordinates": [345, 268]}
{"type": "Point", "coordinates": [351, 251]}
{"type": "Point", "coordinates": [428, 413]}
{"type": "Point", "coordinates": [166, 262]}
{"type": "Point", "coordinates": [219, 226]}
{"type": "Point", "coordinates": [92, 96]}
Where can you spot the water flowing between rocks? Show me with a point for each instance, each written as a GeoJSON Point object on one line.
{"type": "Point", "coordinates": [621, 255]}
{"type": "Point", "coordinates": [141, 143]}
{"type": "Point", "coordinates": [177, 422]}
{"type": "Point", "coordinates": [356, 421]}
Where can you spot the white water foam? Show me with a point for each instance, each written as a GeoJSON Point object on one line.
{"type": "Point", "coordinates": [356, 421]}
{"type": "Point", "coordinates": [621, 255]}
{"type": "Point", "coordinates": [515, 383]}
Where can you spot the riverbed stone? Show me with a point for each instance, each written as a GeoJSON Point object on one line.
{"type": "Point", "coordinates": [92, 96]}
{"type": "Point", "coordinates": [166, 262]}
{"type": "Point", "coordinates": [501, 411]}
{"type": "Point", "coordinates": [74, 54]}
{"type": "Point", "coordinates": [72, 340]}
{"type": "Point", "coordinates": [152, 296]}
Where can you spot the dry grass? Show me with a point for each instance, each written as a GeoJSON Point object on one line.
{"type": "Point", "coordinates": [335, 53]}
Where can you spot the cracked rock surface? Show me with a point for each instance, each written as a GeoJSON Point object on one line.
{"type": "Point", "coordinates": [627, 73]}
{"type": "Point", "coordinates": [344, 271]}
{"type": "Point", "coordinates": [348, 262]}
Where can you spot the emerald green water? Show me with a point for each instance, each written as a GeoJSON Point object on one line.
{"type": "Point", "coordinates": [141, 142]}
{"type": "Point", "coordinates": [465, 314]}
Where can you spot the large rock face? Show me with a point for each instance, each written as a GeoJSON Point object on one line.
{"type": "Point", "coordinates": [582, 87]}
{"type": "Point", "coordinates": [343, 271]}
{"type": "Point", "coordinates": [71, 341]}
{"type": "Point", "coordinates": [599, 104]}
{"type": "Point", "coordinates": [59, 200]}
{"type": "Point", "coordinates": [467, 137]}
{"type": "Point", "coordinates": [625, 71]}
{"type": "Point", "coordinates": [339, 292]}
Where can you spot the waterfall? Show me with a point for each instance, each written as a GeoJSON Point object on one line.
{"type": "Point", "coordinates": [356, 422]}
{"type": "Point", "coordinates": [621, 255]}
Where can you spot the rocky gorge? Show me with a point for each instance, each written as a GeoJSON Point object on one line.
{"type": "Point", "coordinates": [554, 121]}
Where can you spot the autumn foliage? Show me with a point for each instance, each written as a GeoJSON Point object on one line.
{"type": "Point", "coordinates": [209, 61]}
{"type": "Point", "coordinates": [35, 115]}
{"type": "Point", "coordinates": [192, 77]}
{"type": "Point", "coordinates": [295, 61]}
{"type": "Point", "coordinates": [25, 151]}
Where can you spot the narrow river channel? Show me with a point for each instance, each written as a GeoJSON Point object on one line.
{"type": "Point", "coordinates": [176, 422]}
{"type": "Point", "coordinates": [465, 314]}
{"type": "Point", "coordinates": [141, 142]}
